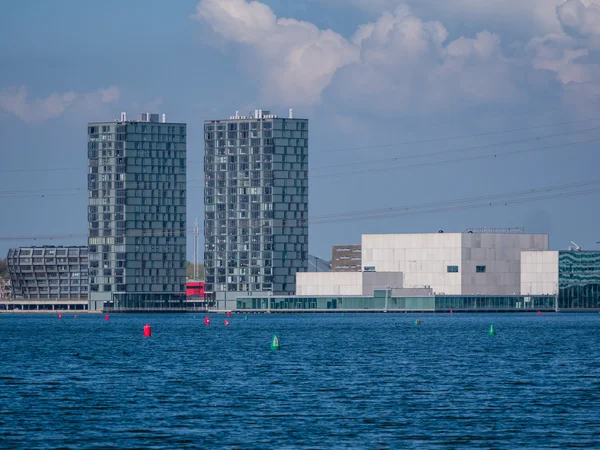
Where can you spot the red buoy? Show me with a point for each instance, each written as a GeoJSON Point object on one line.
{"type": "Point", "coordinates": [207, 320]}
{"type": "Point", "coordinates": [539, 313]}
{"type": "Point", "coordinates": [226, 323]}
{"type": "Point", "coordinates": [450, 311]}
{"type": "Point", "coordinates": [60, 316]}
{"type": "Point", "coordinates": [106, 317]}
{"type": "Point", "coordinates": [228, 313]}
{"type": "Point", "coordinates": [147, 330]}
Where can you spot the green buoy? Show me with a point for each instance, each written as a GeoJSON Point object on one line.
{"type": "Point", "coordinates": [343, 314]}
{"type": "Point", "coordinates": [275, 343]}
{"type": "Point", "coordinates": [245, 317]}
{"type": "Point", "coordinates": [417, 321]}
{"type": "Point", "coordinates": [492, 332]}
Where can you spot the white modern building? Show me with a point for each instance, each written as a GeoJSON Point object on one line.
{"type": "Point", "coordinates": [437, 263]}
{"type": "Point", "coordinates": [354, 283]}
{"type": "Point", "coordinates": [539, 272]}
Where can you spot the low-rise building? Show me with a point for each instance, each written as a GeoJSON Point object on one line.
{"type": "Point", "coordinates": [574, 276]}
{"type": "Point", "coordinates": [48, 272]}
{"type": "Point", "coordinates": [346, 258]}
{"type": "Point", "coordinates": [434, 263]}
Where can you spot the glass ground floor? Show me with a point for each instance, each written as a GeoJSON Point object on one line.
{"type": "Point", "coordinates": [382, 302]}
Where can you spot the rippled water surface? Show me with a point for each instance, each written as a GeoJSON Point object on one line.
{"type": "Point", "coordinates": [354, 381]}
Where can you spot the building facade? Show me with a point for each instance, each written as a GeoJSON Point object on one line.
{"type": "Point", "coordinates": [572, 275]}
{"type": "Point", "coordinates": [382, 301]}
{"type": "Point", "coordinates": [48, 272]}
{"type": "Point", "coordinates": [453, 263]}
{"type": "Point", "coordinates": [256, 203]}
{"type": "Point", "coordinates": [137, 213]}
{"type": "Point", "coordinates": [539, 272]}
{"type": "Point", "coordinates": [346, 258]}
{"type": "Point", "coordinates": [578, 280]}
{"type": "Point", "coordinates": [354, 283]}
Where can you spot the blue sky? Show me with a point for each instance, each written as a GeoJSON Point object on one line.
{"type": "Point", "coordinates": [383, 83]}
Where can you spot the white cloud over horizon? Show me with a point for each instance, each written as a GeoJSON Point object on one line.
{"type": "Point", "coordinates": [300, 58]}
{"type": "Point", "coordinates": [401, 61]}
{"type": "Point", "coordinates": [16, 101]}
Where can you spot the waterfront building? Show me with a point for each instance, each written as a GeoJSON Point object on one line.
{"type": "Point", "coordinates": [137, 213]}
{"type": "Point", "coordinates": [572, 275]}
{"type": "Point", "coordinates": [388, 301]}
{"type": "Point", "coordinates": [256, 204]}
{"type": "Point", "coordinates": [346, 258]}
{"type": "Point", "coordinates": [443, 263]}
{"type": "Point", "coordinates": [48, 272]}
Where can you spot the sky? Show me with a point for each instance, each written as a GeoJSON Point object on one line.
{"type": "Point", "coordinates": [423, 115]}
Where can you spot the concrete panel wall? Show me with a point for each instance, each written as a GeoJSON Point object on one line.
{"type": "Point", "coordinates": [539, 272]}
{"type": "Point", "coordinates": [328, 283]}
{"type": "Point", "coordinates": [422, 258]}
{"type": "Point", "coordinates": [500, 254]}
{"type": "Point", "coordinates": [372, 281]}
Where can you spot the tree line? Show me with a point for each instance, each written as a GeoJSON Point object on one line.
{"type": "Point", "coordinates": [3, 269]}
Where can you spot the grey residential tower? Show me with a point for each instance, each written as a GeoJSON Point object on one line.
{"type": "Point", "coordinates": [137, 213]}
{"type": "Point", "coordinates": [256, 203]}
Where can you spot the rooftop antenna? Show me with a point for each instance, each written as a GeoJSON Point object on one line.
{"type": "Point", "coordinates": [196, 234]}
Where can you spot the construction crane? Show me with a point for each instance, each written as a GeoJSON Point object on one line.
{"type": "Point", "coordinates": [575, 247]}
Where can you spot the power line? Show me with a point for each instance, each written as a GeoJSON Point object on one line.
{"type": "Point", "coordinates": [466, 136]}
{"type": "Point", "coordinates": [61, 192]}
{"type": "Point", "coordinates": [466, 207]}
{"type": "Point", "coordinates": [449, 161]}
{"type": "Point", "coordinates": [318, 152]}
{"type": "Point", "coordinates": [425, 208]}
{"type": "Point", "coordinates": [463, 149]}
{"type": "Point", "coordinates": [460, 200]}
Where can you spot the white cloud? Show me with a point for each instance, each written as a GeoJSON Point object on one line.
{"type": "Point", "coordinates": [16, 101]}
{"type": "Point", "coordinates": [110, 94]}
{"type": "Point", "coordinates": [402, 62]}
{"type": "Point", "coordinates": [407, 65]}
{"type": "Point", "coordinates": [582, 20]}
{"type": "Point", "coordinates": [538, 15]}
{"type": "Point", "coordinates": [568, 53]}
{"type": "Point", "coordinates": [293, 60]}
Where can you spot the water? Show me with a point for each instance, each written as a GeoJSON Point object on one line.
{"type": "Point", "coordinates": [353, 381]}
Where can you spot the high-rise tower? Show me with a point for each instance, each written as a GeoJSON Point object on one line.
{"type": "Point", "coordinates": [137, 213]}
{"type": "Point", "coordinates": [256, 203]}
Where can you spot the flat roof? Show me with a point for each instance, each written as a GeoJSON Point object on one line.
{"type": "Point", "coordinates": [120, 122]}
{"type": "Point", "coordinates": [246, 119]}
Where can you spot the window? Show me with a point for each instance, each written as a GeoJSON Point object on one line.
{"type": "Point", "coordinates": [480, 269]}
{"type": "Point", "coordinates": [452, 269]}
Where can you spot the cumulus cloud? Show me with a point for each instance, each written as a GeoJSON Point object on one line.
{"type": "Point", "coordinates": [408, 65]}
{"type": "Point", "coordinates": [568, 53]}
{"type": "Point", "coordinates": [519, 15]}
{"type": "Point", "coordinates": [295, 60]}
{"type": "Point", "coordinates": [16, 100]}
{"type": "Point", "coordinates": [581, 20]}
{"type": "Point", "coordinates": [399, 54]}
{"type": "Point", "coordinates": [400, 61]}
